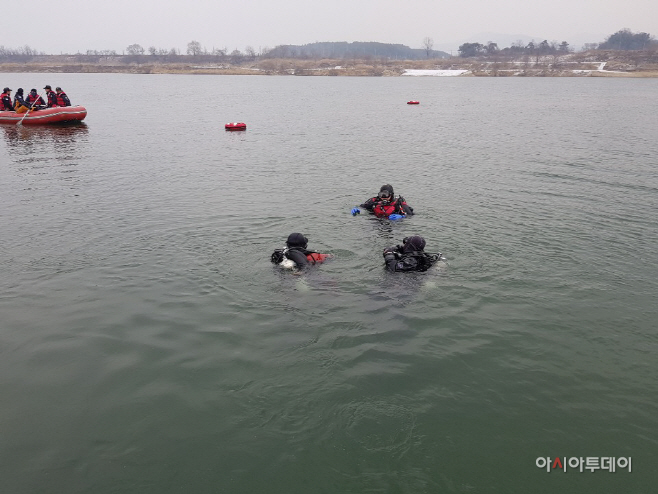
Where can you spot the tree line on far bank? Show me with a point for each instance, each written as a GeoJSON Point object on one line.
{"type": "Point", "coordinates": [135, 53]}
{"type": "Point", "coordinates": [196, 52]}
{"type": "Point", "coordinates": [624, 39]}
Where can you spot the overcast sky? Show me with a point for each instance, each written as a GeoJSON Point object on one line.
{"type": "Point", "coordinates": [71, 26]}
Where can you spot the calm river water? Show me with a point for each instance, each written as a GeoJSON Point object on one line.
{"type": "Point", "coordinates": [148, 345]}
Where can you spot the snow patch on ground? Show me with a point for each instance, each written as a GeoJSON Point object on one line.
{"type": "Point", "coordinates": [600, 69]}
{"type": "Point", "coordinates": [436, 73]}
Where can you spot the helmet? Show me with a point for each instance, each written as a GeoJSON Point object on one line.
{"type": "Point", "coordinates": [58, 88]}
{"type": "Point", "coordinates": [33, 90]}
{"type": "Point", "coordinates": [386, 192]}
{"type": "Point", "coordinates": [415, 243]}
{"type": "Point", "coordinates": [47, 86]}
{"type": "Point", "coordinates": [19, 90]}
{"type": "Point", "coordinates": [297, 240]}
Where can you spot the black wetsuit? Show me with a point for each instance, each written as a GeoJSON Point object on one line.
{"type": "Point", "coordinates": [295, 254]}
{"type": "Point", "coordinates": [397, 260]}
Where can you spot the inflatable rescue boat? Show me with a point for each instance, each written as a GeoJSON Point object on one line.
{"type": "Point", "coordinates": [45, 116]}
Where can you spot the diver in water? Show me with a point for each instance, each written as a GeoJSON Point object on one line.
{"type": "Point", "coordinates": [296, 255]}
{"type": "Point", "coordinates": [410, 256]}
{"type": "Point", "coordinates": [386, 205]}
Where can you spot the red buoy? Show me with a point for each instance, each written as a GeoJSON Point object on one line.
{"type": "Point", "coordinates": [236, 126]}
{"type": "Point", "coordinates": [413, 102]}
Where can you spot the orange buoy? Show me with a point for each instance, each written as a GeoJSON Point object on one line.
{"type": "Point", "coordinates": [413, 102]}
{"type": "Point", "coordinates": [236, 126]}
{"type": "Point", "coordinates": [314, 257]}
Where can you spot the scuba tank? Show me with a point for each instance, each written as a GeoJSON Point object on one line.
{"type": "Point", "coordinates": [280, 257]}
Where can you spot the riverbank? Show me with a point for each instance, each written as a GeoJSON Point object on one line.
{"type": "Point", "coordinates": [583, 64]}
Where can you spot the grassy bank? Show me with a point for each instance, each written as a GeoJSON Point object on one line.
{"type": "Point", "coordinates": [596, 63]}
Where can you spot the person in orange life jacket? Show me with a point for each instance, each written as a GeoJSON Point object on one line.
{"type": "Point", "coordinates": [5, 103]}
{"type": "Point", "coordinates": [386, 205]}
{"type": "Point", "coordinates": [20, 105]}
{"type": "Point", "coordinates": [52, 96]}
{"type": "Point", "coordinates": [410, 256]}
{"type": "Point", "coordinates": [62, 98]}
{"type": "Point", "coordinates": [296, 254]}
{"type": "Point", "coordinates": [34, 100]}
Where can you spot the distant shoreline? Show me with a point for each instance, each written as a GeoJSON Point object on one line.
{"type": "Point", "coordinates": [586, 64]}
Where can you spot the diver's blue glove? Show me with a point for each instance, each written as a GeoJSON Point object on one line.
{"type": "Point", "coordinates": [395, 217]}
{"type": "Point", "coordinates": [355, 211]}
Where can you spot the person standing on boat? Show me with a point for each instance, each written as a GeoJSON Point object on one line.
{"type": "Point", "coordinates": [386, 204]}
{"type": "Point", "coordinates": [52, 96]}
{"type": "Point", "coordinates": [34, 100]}
{"type": "Point", "coordinates": [410, 256]}
{"type": "Point", "coordinates": [19, 103]}
{"type": "Point", "coordinates": [5, 103]}
{"type": "Point", "coordinates": [62, 98]}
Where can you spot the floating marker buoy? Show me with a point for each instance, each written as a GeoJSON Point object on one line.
{"type": "Point", "coordinates": [236, 126]}
{"type": "Point", "coordinates": [413, 102]}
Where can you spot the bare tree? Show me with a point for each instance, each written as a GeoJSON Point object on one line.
{"type": "Point", "coordinates": [428, 44]}
{"type": "Point", "coordinates": [526, 64]}
{"type": "Point", "coordinates": [22, 53]}
{"type": "Point", "coordinates": [236, 56]}
{"type": "Point", "coordinates": [194, 48]}
{"type": "Point", "coordinates": [491, 48]}
{"type": "Point", "coordinates": [251, 53]}
{"type": "Point", "coordinates": [135, 49]}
